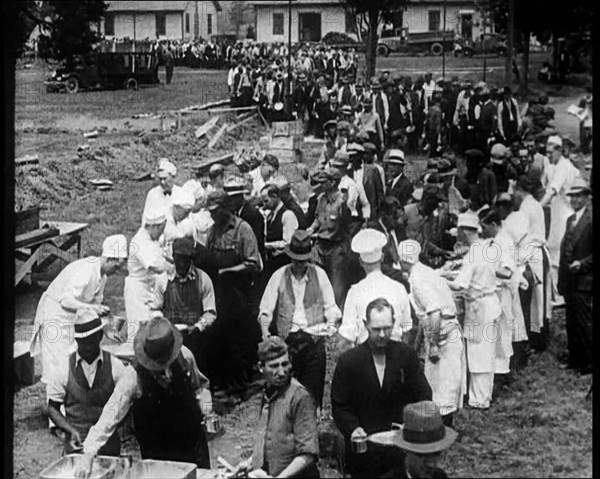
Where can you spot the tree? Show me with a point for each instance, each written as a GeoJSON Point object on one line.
{"type": "Point", "coordinates": [23, 17]}
{"type": "Point", "coordinates": [371, 14]}
{"type": "Point", "coordinates": [70, 30]}
{"type": "Point", "coordinates": [238, 16]}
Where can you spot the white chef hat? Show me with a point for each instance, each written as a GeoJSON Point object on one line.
{"type": "Point", "coordinates": [468, 220]}
{"type": "Point", "coordinates": [409, 250]}
{"type": "Point", "coordinates": [555, 140]}
{"type": "Point", "coordinates": [369, 243]}
{"type": "Point", "coordinates": [166, 166]}
{"type": "Point", "coordinates": [115, 246]}
{"type": "Point", "coordinates": [183, 198]}
{"type": "Point", "coordinates": [155, 216]}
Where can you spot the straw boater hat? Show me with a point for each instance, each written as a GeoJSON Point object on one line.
{"type": "Point", "coordinates": [395, 156]}
{"type": "Point", "coordinates": [300, 247]}
{"type": "Point", "coordinates": [87, 322]}
{"type": "Point", "coordinates": [235, 186]}
{"type": "Point", "coordinates": [157, 344]}
{"type": "Point", "coordinates": [423, 431]}
{"type": "Point", "coordinates": [580, 187]}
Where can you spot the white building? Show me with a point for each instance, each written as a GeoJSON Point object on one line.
{"type": "Point", "coordinates": [313, 19]}
{"type": "Point", "coordinates": [161, 20]}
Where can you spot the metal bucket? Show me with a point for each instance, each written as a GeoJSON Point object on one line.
{"type": "Point", "coordinates": [359, 444]}
{"type": "Point", "coordinates": [212, 423]}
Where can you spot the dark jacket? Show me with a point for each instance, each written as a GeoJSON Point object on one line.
{"type": "Point", "coordinates": [484, 190]}
{"type": "Point", "coordinates": [488, 119]}
{"type": "Point", "coordinates": [358, 400]}
{"type": "Point", "coordinates": [577, 245]}
{"type": "Point", "coordinates": [403, 189]}
{"type": "Point", "coordinates": [252, 216]}
{"type": "Point", "coordinates": [373, 188]}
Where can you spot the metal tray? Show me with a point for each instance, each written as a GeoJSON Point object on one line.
{"type": "Point", "coordinates": [64, 468]}
{"type": "Point", "coordinates": [151, 469]}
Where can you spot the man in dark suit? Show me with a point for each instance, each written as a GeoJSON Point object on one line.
{"type": "Point", "coordinates": [398, 184]}
{"type": "Point", "coordinates": [302, 101]}
{"type": "Point", "coordinates": [368, 175]}
{"type": "Point", "coordinates": [575, 278]}
{"type": "Point", "coordinates": [371, 385]}
{"type": "Point", "coordinates": [235, 188]}
{"type": "Point", "coordinates": [488, 120]}
{"type": "Point", "coordinates": [418, 107]}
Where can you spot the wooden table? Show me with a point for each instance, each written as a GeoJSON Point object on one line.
{"type": "Point", "coordinates": [41, 253]}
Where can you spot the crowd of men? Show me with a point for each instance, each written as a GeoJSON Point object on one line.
{"type": "Point", "coordinates": [435, 287]}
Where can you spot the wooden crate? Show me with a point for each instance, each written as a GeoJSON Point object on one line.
{"type": "Point", "coordinates": [286, 128]}
{"type": "Point", "coordinates": [292, 142]}
{"type": "Point", "coordinates": [27, 220]}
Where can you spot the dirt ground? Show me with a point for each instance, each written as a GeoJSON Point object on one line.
{"type": "Point", "coordinates": [541, 426]}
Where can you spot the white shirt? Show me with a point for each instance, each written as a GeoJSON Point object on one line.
{"type": "Point", "coordinates": [202, 223]}
{"type": "Point", "coordinates": [477, 275]}
{"type": "Point", "coordinates": [143, 254]}
{"type": "Point", "coordinates": [56, 387]}
{"type": "Point", "coordinates": [578, 215]}
{"type": "Point", "coordinates": [429, 292]}
{"type": "Point", "coordinates": [355, 191]}
{"type": "Point", "coordinates": [156, 200]}
{"type": "Point", "coordinates": [535, 222]}
{"type": "Point", "coordinates": [269, 300]}
{"type": "Point", "coordinates": [375, 285]}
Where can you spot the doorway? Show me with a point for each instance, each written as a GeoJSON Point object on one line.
{"type": "Point", "coordinates": [466, 26]}
{"type": "Point", "coordinates": [309, 27]}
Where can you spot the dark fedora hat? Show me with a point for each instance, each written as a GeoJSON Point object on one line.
{"type": "Point", "coordinates": [157, 344]}
{"type": "Point", "coordinates": [300, 247]}
{"type": "Point", "coordinates": [423, 431]}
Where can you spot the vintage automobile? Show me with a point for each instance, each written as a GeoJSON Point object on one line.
{"type": "Point", "coordinates": [402, 41]}
{"type": "Point", "coordinates": [493, 44]}
{"type": "Point", "coordinates": [105, 70]}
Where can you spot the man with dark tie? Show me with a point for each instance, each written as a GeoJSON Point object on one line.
{"type": "Point", "coordinates": [346, 94]}
{"type": "Point", "coordinates": [399, 185]}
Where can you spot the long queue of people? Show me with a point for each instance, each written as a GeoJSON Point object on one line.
{"type": "Point", "coordinates": [436, 288]}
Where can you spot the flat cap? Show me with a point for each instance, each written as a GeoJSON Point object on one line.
{"type": "Point", "coordinates": [272, 160]}
{"type": "Point", "coordinates": [184, 246]}
{"type": "Point", "coordinates": [271, 348]}
{"type": "Point", "coordinates": [235, 185]}
{"type": "Point", "coordinates": [216, 198]}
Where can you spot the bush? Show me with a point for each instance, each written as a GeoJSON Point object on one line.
{"type": "Point", "coordinates": [334, 38]}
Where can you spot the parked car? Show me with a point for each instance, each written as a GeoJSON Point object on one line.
{"type": "Point", "coordinates": [401, 40]}
{"type": "Point", "coordinates": [492, 44]}
{"type": "Point", "coordinates": [105, 70]}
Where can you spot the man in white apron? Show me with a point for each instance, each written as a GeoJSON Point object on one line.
{"type": "Point", "coordinates": [179, 223]}
{"type": "Point", "coordinates": [80, 285]}
{"type": "Point", "coordinates": [146, 261]}
{"type": "Point", "coordinates": [477, 280]}
{"type": "Point", "coordinates": [159, 197]}
{"type": "Point", "coordinates": [445, 362]}
{"type": "Point", "coordinates": [562, 177]}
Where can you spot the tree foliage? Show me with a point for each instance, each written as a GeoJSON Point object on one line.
{"type": "Point", "coordinates": [70, 30]}
{"type": "Point", "coordinates": [369, 16]}
{"type": "Point", "coordinates": [23, 17]}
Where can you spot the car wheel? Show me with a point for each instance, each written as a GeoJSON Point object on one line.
{"type": "Point", "coordinates": [467, 52]}
{"type": "Point", "coordinates": [72, 85]}
{"type": "Point", "coordinates": [131, 84]}
{"type": "Point", "coordinates": [437, 49]}
{"type": "Point", "coordinates": [383, 50]}
{"type": "Point", "coordinates": [501, 51]}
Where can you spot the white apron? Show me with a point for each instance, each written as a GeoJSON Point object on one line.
{"type": "Point", "coordinates": [481, 318]}
{"type": "Point", "coordinates": [504, 329]}
{"type": "Point", "coordinates": [448, 376]}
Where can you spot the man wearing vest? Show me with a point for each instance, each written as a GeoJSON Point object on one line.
{"type": "Point", "coordinates": [85, 386]}
{"type": "Point", "coordinates": [168, 396]}
{"type": "Point", "coordinates": [187, 299]}
{"type": "Point", "coordinates": [509, 119]}
{"type": "Point", "coordinates": [299, 306]}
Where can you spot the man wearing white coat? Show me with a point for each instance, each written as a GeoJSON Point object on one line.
{"type": "Point", "coordinates": [146, 260]}
{"type": "Point", "coordinates": [445, 361]}
{"type": "Point", "coordinates": [562, 177]}
{"type": "Point", "coordinates": [159, 197]}
{"type": "Point", "coordinates": [80, 285]}
{"type": "Point", "coordinates": [369, 244]}
{"type": "Point", "coordinates": [477, 281]}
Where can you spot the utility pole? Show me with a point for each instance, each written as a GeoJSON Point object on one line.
{"type": "Point", "coordinates": [510, 45]}
{"type": "Point", "coordinates": [289, 78]}
{"type": "Point", "coordinates": [484, 23]}
{"type": "Point", "coordinates": [444, 44]}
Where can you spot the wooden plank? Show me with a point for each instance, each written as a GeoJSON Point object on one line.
{"type": "Point", "coordinates": [32, 236]}
{"type": "Point", "coordinates": [246, 120]}
{"type": "Point", "coordinates": [24, 269]}
{"type": "Point", "coordinates": [206, 106]}
{"type": "Point", "coordinates": [263, 119]}
{"type": "Point", "coordinates": [227, 110]}
{"type": "Point", "coordinates": [216, 138]}
{"type": "Point", "coordinates": [27, 160]}
{"type": "Point", "coordinates": [66, 246]}
{"type": "Point", "coordinates": [202, 130]}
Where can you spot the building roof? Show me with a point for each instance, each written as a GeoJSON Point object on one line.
{"type": "Point", "coordinates": [295, 3]}
{"type": "Point", "coordinates": [158, 6]}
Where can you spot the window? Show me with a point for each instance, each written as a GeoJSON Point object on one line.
{"type": "Point", "coordinates": [161, 24]}
{"type": "Point", "coordinates": [209, 23]}
{"type": "Point", "coordinates": [187, 23]}
{"type": "Point", "coordinates": [434, 20]}
{"type": "Point", "coordinates": [109, 24]}
{"type": "Point", "coordinates": [278, 24]}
